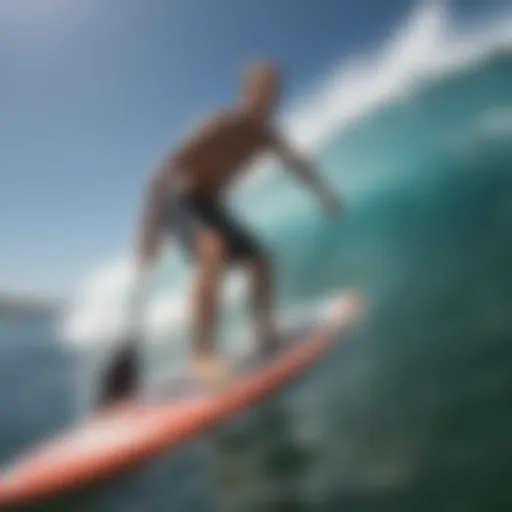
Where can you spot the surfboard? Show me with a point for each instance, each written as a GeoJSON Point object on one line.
{"type": "Point", "coordinates": [127, 434]}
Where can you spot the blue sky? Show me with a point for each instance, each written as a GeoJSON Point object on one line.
{"type": "Point", "coordinates": [93, 92]}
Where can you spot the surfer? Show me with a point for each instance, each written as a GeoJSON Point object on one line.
{"type": "Point", "coordinates": [184, 197]}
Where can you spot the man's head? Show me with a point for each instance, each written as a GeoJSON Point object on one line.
{"type": "Point", "coordinates": [261, 88]}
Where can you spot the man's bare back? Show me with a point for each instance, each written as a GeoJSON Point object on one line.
{"type": "Point", "coordinates": [219, 150]}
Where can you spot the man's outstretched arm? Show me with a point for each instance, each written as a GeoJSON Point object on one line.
{"type": "Point", "coordinates": [307, 172]}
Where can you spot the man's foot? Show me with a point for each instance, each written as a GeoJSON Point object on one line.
{"type": "Point", "coordinates": [210, 369]}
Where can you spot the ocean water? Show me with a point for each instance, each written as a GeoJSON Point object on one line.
{"type": "Point", "coordinates": [411, 412]}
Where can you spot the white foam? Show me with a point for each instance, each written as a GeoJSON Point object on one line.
{"type": "Point", "coordinates": [101, 312]}
{"type": "Point", "coordinates": [425, 47]}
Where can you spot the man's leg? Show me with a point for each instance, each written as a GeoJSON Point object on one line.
{"type": "Point", "coordinates": [261, 298]}
{"type": "Point", "coordinates": [227, 243]}
{"type": "Point", "coordinates": [210, 258]}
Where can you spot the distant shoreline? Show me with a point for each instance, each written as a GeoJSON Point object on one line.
{"type": "Point", "coordinates": [12, 306]}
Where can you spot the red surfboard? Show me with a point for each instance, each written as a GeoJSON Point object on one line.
{"type": "Point", "coordinates": [128, 434]}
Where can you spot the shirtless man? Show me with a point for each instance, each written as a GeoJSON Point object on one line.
{"type": "Point", "coordinates": [184, 197]}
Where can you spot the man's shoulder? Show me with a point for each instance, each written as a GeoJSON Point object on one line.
{"type": "Point", "coordinates": [227, 122]}
{"type": "Point", "coordinates": [234, 116]}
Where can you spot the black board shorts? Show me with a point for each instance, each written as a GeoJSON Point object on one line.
{"type": "Point", "coordinates": [184, 216]}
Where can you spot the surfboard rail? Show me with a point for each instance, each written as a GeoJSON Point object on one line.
{"type": "Point", "coordinates": [132, 432]}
